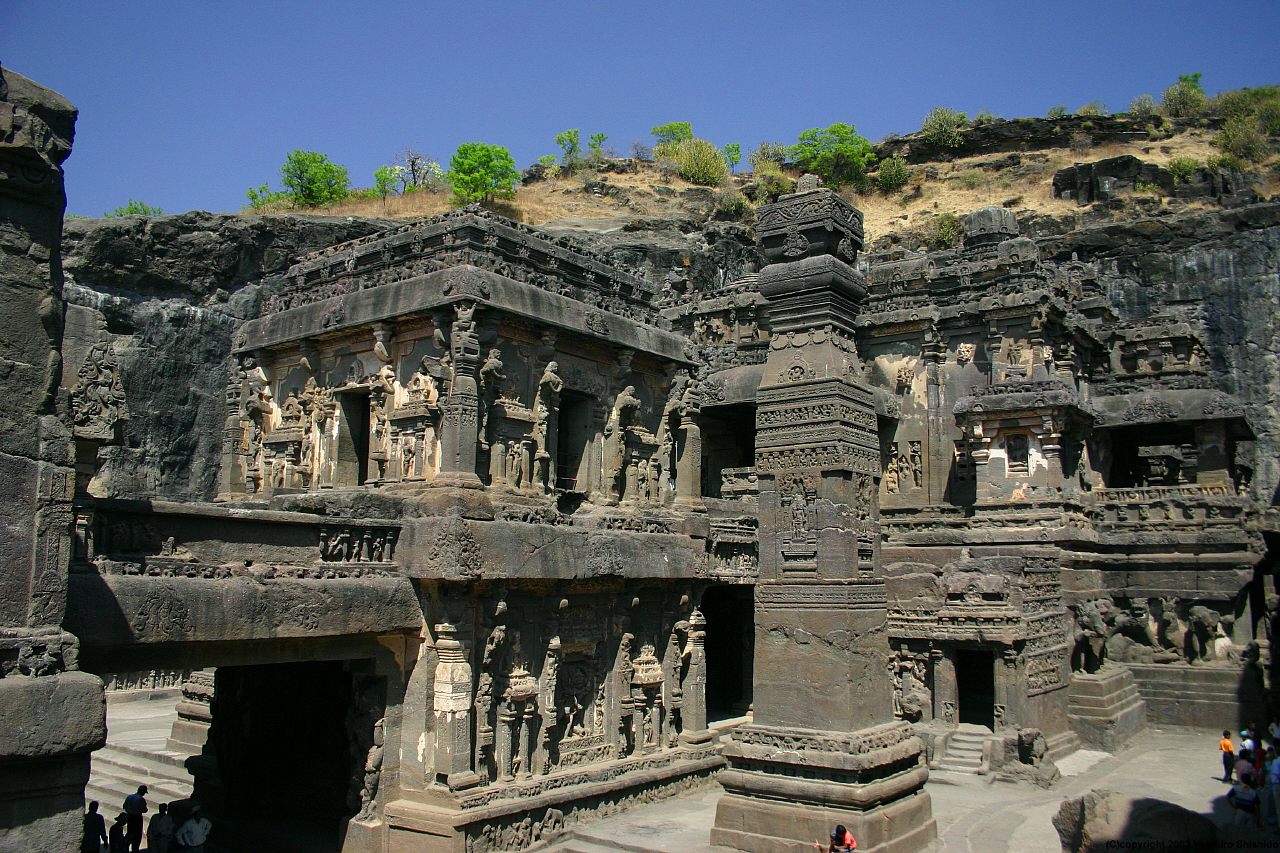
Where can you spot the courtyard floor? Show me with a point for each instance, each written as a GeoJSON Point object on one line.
{"type": "Point", "coordinates": [975, 815]}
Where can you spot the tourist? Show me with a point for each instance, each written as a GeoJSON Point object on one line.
{"type": "Point", "coordinates": [118, 840]}
{"type": "Point", "coordinates": [1274, 731]}
{"type": "Point", "coordinates": [160, 831]}
{"type": "Point", "coordinates": [194, 832]}
{"type": "Point", "coordinates": [1244, 797]}
{"type": "Point", "coordinates": [1228, 755]}
{"type": "Point", "coordinates": [1246, 742]}
{"type": "Point", "coordinates": [135, 806]}
{"type": "Point", "coordinates": [95, 830]}
{"type": "Point", "coordinates": [1244, 764]}
{"type": "Point", "coordinates": [1273, 789]}
{"type": "Point", "coordinates": [841, 841]}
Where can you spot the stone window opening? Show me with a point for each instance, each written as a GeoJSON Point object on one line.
{"type": "Point", "coordinates": [1018, 451]}
{"type": "Point", "coordinates": [575, 435]}
{"type": "Point", "coordinates": [352, 457]}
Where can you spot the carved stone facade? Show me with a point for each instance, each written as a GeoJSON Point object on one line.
{"type": "Point", "coordinates": [514, 504]}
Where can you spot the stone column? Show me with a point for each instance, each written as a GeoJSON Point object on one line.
{"type": "Point", "coordinates": [452, 707]}
{"type": "Point", "coordinates": [693, 707]}
{"type": "Point", "coordinates": [190, 731]}
{"type": "Point", "coordinates": [689, 458]}
{"type": "Point", "coordinates": [235, 447]}
{"type": "Point", "coordinates": [53, 715]}
{"type": "Point", "coordinates": [459, 433]}
{"type": "Point", "coordinates": [823, 747]}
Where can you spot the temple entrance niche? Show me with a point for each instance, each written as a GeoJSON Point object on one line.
{"type": "Point", "coordinates": [730, 644]}
{"type": "Point", "coordinates": [976, 687]}
{"type": "Point", "coordinates": [293, 745]}
{"type": "Point", "coordinates": [575, 435]}
{"type": "Point", "coordinates": [352, 462]}
{"type": "Point", "coordinates": [728, 442]}
{"type": "Point", "coordinates": [1153, 455]}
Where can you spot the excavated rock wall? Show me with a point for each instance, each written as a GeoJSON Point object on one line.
{"type": "Point", "coordinates": [1219, 269]}
{"type": "Point", "coordinates": [167, 292]}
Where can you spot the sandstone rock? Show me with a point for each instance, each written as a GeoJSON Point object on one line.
{"type": "Point", "coordinates": [1107, 820]}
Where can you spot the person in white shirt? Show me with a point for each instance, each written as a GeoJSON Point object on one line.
{"type": "Point", "coordinates": [194, 832]}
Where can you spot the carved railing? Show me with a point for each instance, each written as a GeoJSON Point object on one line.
{"type": "Point", "coordinates": [1149, 493]}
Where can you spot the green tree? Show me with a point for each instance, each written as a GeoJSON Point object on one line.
{"type": "Point", "coordinates": [385, 179]}
{"type": "Point", "coordinates": [312, 179]}
{"type": "Point", "coordinates": [480, 172]}
{"type": "Point", "coordinates": [673, 132]}
{"type": "Point", "coordinates": [134, 208]}
{"type": "Point", "coordinates": [732, 155]}
{"type": "Point", "coordinates": [1184, 98]}
{"type": "Point", "coordinates": [570, 142]}
{"type": "Point", "coordinates": [942, 126]}
{"type": "Point", "coordinates": [595, 146]}
{"type": "Point", "coordinates": [837, 154]}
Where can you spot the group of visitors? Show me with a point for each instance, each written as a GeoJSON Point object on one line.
{"type": "Point", "coordinates": [125, 835]}
{"type": "Point", "coordinates": [1254, 774]}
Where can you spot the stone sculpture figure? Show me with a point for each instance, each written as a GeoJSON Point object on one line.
{"type": "Point", "coordinates": [546, 408]}
{"type": "Point", "coordinates": [97, 400]}
{"type": "Point", "coordinates": [491, 379]}
{"type": "Point", "coordinates": [291, 410]}
{"type": "Point", "coordinates": [625, 408]}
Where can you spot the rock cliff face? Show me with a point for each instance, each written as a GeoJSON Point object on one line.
{"type": "Point", "coordinates": [166, 292]}
{"type": "Point", "coordinates": [1222, 271]}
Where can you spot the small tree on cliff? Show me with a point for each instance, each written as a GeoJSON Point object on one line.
{"type": "Point", "coordinates": [838, 154]}
{"type": "Point", "coordinates": [312, 179]}
{"type": "Point", "coordinates": [480, 172]}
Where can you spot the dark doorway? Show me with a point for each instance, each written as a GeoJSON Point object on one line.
{"type": "Point", "coordinates": [729, 611]}
{"type": "Point", "coordinates": [976, 683]}
{"type": "Point", "coordinates": [573, 436]}
{"type": "Point", "coordinates": [352, 458]}
{"type": "Point", "coordinates": [728, 441]}
{"type": "Point", "coordinates": [280, 736]}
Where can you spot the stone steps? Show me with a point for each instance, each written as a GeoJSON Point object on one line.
{"type": "Point", "coordinates": [1105, 709]}
{"type": "Point", "coordinates": [117, 771]}
{"type": "Point", "coordinates": [964, 752]}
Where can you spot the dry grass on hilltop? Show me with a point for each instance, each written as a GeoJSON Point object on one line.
{"type": "Point", "coordinates": [956, 186]}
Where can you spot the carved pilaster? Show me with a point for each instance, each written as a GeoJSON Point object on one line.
{"type": "Point", "coordinates": [459, 434]}
{"type": "Point", "coordinates": [452, 707]}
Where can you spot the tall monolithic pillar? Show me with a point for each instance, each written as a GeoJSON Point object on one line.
{"type": "Point", "coordinates": [823, 748]}
{"type": "Point", "coordinates": [51, 716]}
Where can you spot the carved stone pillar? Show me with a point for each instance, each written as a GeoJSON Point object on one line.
{"type": "Point", "coordinates": [235, 445]}
{"type": "Point", "coordinates": [52, 715]}
{"type": "Point", "coordinates": [452, 708]}
{"type": "Point", "coordinates": [693, 709]}
{"type": "Point", "coordinates": [823, 747]}
{"type": "Point", "coordinates": [459, 434]}
{"type": "Point", "coordinates": [689, 456]}
{"type": "Point", "coordinates": [190, 731]}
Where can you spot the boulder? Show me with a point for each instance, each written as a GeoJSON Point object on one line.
{"type": "Point", "coordinates": [1103, 820]}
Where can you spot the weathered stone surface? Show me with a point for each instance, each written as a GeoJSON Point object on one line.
{"type": "Point", "coordinates": [1106, 820]}
{"type": "Point", "coordinates": [53, 715]}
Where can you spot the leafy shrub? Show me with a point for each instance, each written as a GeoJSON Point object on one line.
{"type": "Point", "coordinates": [1269, 117]}
{"type": "Point", "coordinates": [1057, 111]}
{"type": "Point", "coordinates": [1219, 162]}
{"type": "Point", "coordinates": [732, 155]}
{"type": "Point", "coordinates": [837, 154]}
{"type": "Point", "coordinates": [570, 147]}
{"type": "Point", "coordinates": [970, 180]}
{"type": "Point", "coordinates": [945, 232]}
{"type": "Point", "coordinates": [262, 196]}
{"type": "Point", "coordinates": [550, 166]}
{"type": "Point", "coordinates": [1080, 142]}
{"type": "Point", "coordinates": [1146, 188]}
{"type": "Point", "coordinates": [732, 206]}
{"type": "Point", "coordinates": [1093, 108]}
{"type": "Point", "coordinates": [768, 152]}
{"type": "Point", "coordinates": [1240, 137]}
{"type": "Point", "coordinates": [312, 179]}
{"type": "Point", "coordinates": [482, 172]}
{"type": "Point", "coordinates": [700, 162]}
{"type": "Point", "coordinates": [134, 208]}
{"type": "Point", "coordinates": [892, 175]}
{"type": "Point", "coordinates": [769, 182]}
{"type": "Point", "coordinates": [673, 133]}
{"type": "Point", "coordinates": [1144, 106]}
{"type": "Point", "coordinates": [942, 127]}
{"type": "Point", "coordinates": [595, 146]}
{"type": "Point", "coordinates": [985, 117]}
{"type": "Point", "coordinates": [1232, 104]}
{"type": "Point", "coordinates": [1184, 98]}
{"type": "Point", "coordinates": [385, 180]}
{"type": "Point", "coordinates": [1184, 169]}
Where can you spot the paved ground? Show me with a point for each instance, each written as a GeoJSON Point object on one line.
{"type": "Point", "coordinates": [975, 815]}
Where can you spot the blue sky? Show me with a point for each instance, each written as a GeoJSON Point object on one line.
{"type": "Point", "coordinates": [186, 104]}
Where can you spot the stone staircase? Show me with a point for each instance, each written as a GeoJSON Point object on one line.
{"type": "Point", "coordinates": [118, 770]}
{"type": "Point", "coordinates": [1105, 709]}
{"type": "Point", "coordinates": [964, 752]}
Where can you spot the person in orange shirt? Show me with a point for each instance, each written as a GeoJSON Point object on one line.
{"type": "Point", "coordinates": [1228, 756]}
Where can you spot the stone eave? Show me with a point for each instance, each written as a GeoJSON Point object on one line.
{"type": "Point", "coordinates": [1170, 406]}
{"type": "Point", "coordinates": [420, 295]}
